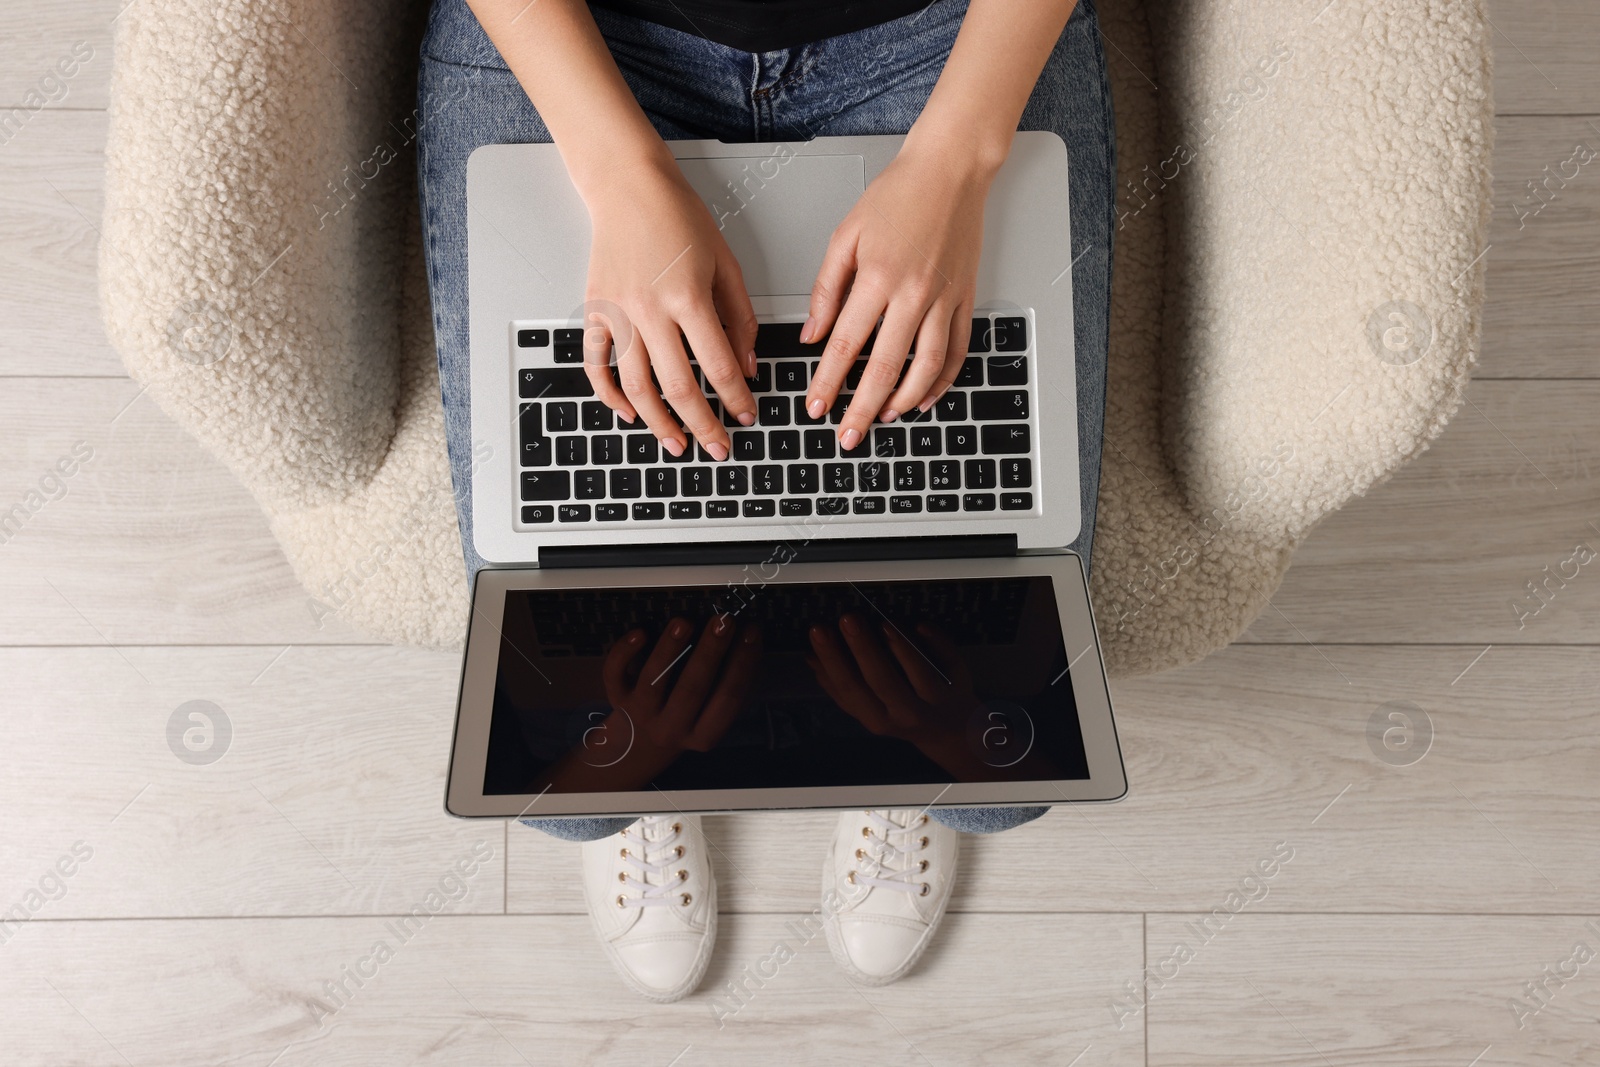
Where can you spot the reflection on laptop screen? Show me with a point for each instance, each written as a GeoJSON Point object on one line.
{"type": "Point", "coordinates": [782, 685]}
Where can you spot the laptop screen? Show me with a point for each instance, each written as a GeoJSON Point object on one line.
{"type": "Point", "coordinates": [753, 685]}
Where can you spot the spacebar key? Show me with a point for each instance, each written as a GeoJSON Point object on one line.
{"type": "Point", "coordinates": [553, 381]}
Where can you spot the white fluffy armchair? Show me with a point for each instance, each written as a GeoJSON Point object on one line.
{"type": "Point", "coordinates": [1296, 300]}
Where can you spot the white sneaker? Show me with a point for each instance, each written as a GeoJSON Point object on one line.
{"type": "Point", "coordinates": [890, 873]}
{"type": "Point", "coordinates": [653, 902]}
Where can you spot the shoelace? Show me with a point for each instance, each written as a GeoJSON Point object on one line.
{"type": "Point", "coordinates": [657, 882]}
{"type": "Point", "coordinates": [893, 858]}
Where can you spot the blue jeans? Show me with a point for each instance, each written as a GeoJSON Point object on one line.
{"type": "Point", "coordinates": [693, 88]}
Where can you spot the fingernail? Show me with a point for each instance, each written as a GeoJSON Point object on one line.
{"type": "Point", "coordinates": [747, 419]}
{"type": "Point", "coordinates": [889, 415]}
{"type": "Point", "coordinates": [717, 451]}
{"type": "Point", "coordinates": [805, 331]}
{"type": "Point", "coordinates": [680, 629]}
{"type": "Point", "coordinates": [625, 417]}
{"type": "Point", "coordinates": [926, 405]}
{"type": "Point", "coordinates": [673, 445]}
{"type": "Point", "coordinates": [750, 363]}
{"type": "Point", "coordinates": [815, 409]}
{"type": "Point", "coordinates": [851, 439]}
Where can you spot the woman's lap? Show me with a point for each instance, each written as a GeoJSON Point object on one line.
{"type": "Point", "coordinates": [871, 82]}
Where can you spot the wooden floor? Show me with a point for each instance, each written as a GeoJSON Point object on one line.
{"type": "Point", "coordinates": [1439, 913]}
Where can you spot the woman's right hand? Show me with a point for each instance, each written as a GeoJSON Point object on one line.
{"type": "Point", "coordinates": [658, 256]}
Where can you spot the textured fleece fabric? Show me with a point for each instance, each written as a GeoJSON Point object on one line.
{"type": "Point", "coordinates": [1295, 313]}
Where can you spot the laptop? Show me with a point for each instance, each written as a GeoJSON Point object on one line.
{"type": "Point", "coordinates": [795, 627]}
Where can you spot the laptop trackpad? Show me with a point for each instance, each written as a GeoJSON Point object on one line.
{"type": "Point", "coordinates": [777, 210]}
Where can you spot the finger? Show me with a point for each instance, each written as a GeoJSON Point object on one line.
{"type": "Point", "coordinates": [729, 699]}
{"type": "Point", "coordinates": [855, 324]}
{"type": "Point", "coordinates": [597, 341]}
{"type": "Point", "coordinates": [845, 684]}
{"type": "Point", "coordinates": [879, 669]}
{"type": "Point", "coordinates": [683, 394]}
{"type": "Point", "coordinates": [669, 648]}
{"type": "Point", "coordinates": [695, 681]}
{"type": "Point", "coordinates": [955, 356]}
{"type": "Point", "coordinates": [828, 292]}
{"type": "Point", "coordinates": [883, 371]}
{"type": "Point", "coordinates": [926, 677]}
{"type": "Point", "coordinates": [633, 370]}
{"type": "Point", "coordinates": [722, 370]}
{"type": "Point", "coordinates": [614, 669]}
{"type": "Point", "coordinates": [931, 352]}
{"type": "Point", "coordinates": [732, 301]}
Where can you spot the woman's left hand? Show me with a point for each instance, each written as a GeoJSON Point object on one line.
{"type": "Point", "coordinates": [908, 251]}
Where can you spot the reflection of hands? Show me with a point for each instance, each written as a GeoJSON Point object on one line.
{"type": "Point", "coordinates": [654, 716]}
{"type": "Point", "coordinates": [895, 691]}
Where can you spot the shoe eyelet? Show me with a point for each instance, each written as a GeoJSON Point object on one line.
{"type": "Point", "coordinates": [624, 853]}
{"type": "Point", "coordinates": [680, 852]}
{"type": "Point", "coordinates": [924, 866]}
{"type": "Point", "coordinates": [923, 821]}
{"type": "Point", "coordinates": [850, 876]}
{"type": "Point", "coordinates": [683, 876]}
{"type": "Point", "coordinates": [677, 827]}
{"type": "Point", "coordinates": [866, 831]}
{"type": "Point", "coordinates": [622, 876]}
{"type": "Point", "coordinates": [686, 899]}
{"type": "Point", "coordinates": [861, 853]}
{"type": "Point", "coordinates": [924, 843]}
{"type": "Point", "coordinates": [926, 889]}
{"type": "Point", "coordinates": [620, 901]}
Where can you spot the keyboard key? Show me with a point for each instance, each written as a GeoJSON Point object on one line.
{"type": "Point", "coordinates": [910, 477]}
{"type": "Point", "coordinates": [759, 509]}
{"type": "Point", "coordinates": [732, 481]}
{"type": "Point", "coordinates": [952, 407]}
{"type": "Point", "coordinates": [687, 456]}
{"type": "Point", "coordinates": [852, 377]}
{"type": "Point", "coordinates": [794, 508]}
{"type": "Point", "coordinates": [698, 481]}
{"type": "Point", "coordinates": [790, 377]}
{"type": "Point", "coordinates": [772, 411]}
{"type": "Point", "coordinates": [800, 416]}
{"type": "Point", "coordinates": [607, 449]}
{"type": "Point", "coordinates": [611, 512]}
{"type": "Point", "coordinates": [590, 485]}
{"type": "Point", "coordinates": [840, 403]}
{"type": "Point", "coordinates": [596, 416]}
{"type": "Point", "coordinates": [574, 512]}
{"type": "Point", "coordinates": [980, 336]}
{"type": "Point", "coordinates": [684, 509]}
{"type": "Point", "coordinates": [839, 477]}
{"type": "Point", "coordinates": [992, 404]}
{"type": "Point", "coordinates": [980, 474]}
{"type": "Point", "coordinates": [572, 451]}
{"type": "Point", "coordinates": [553, 382]}
{"type": "Point", "coordinates": [971, 374]}
{"type": "Point", "coordinates": [926, 441]}
{"type": "Point", "coordinates": [722, 509]}
{"type": "Point", "coordinates": [643, 448]}
{"type": "Point", "coordinates": [660, 482]}
{"type": "Point", "coordinates": [819, 444]}
{"type": "Point", "coordinates": [942, 502]}
{"type": "Point", "coordinates": [1005, 439]}
{"type": "Point", "coordinates": [546, 485]}
{"type": "Point", "coordinates": [963, 440]}
{"type": "Point", "coordinates": [762, 382]}
{"type": "Point", "coordinates": [874, 477]}
{"type": "Point", "coordinates": [944, 474]}
{"type": "Point", "coordinates": [728, 418]}
{"type": "Point", "coordinates": [905, 505]}
{"type": "Point", "coordinates": [802, 479]}
{"type": "Point", "coordinates": [778, 339]}
{"type": "Point", "coordinates": [1008, 370]}
{"type": "Point", "coordinates": [1016, 501]}
{"type": "Point", "coordinates": [1016, 473]}
{"type": "Point", "coordinates": [916, 415]}
{"type": "Point", "coordinates": [888, 441]}
{"type": "Point", "coordinates": [783, 445]}
{"type": "Point", "coordinates": [537, 513]}
{"type": "Point", "coordinates": [749, 446]}
{"type": "Point", "coordinates": [1011, 335]}
{"type": "Point", "coordinates": [644, 512]}
{"type": "Point", "coordinates": [625, 483]}
{"type": "Point", "coordinates": [832, 505]}
{"type": "Point", "coordinates": [572, 335]}
{"type": "Point", "coordinates": [533, 338]}
{"type": "Point", "coordinates": [862, 450]}
{"type": "Point", "coordinates": [766, 479]}
{"type": "Point", "coordinates": [568, 354]}
{"type": "Point", "coordinates": [867, 505]}
{"type": "Point", "coordinates": [977, 501]}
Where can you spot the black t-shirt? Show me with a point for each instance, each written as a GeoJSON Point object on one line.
{"type": "Point", "coordinates": [765, 25]}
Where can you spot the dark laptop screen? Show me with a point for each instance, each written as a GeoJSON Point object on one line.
{"type": "Point", "coordinates": [782, 685]}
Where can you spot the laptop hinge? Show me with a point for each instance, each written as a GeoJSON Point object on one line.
{"type": "Point", "coordinates": [818, 550]}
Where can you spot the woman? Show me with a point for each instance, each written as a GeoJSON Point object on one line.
{"type": "Point", "coordinates": [608, 84]}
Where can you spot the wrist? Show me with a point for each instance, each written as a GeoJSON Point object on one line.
{"type": "Point", "coordinates": [620, 169]}
{"type": "Point", "coordinates": [972, 150]}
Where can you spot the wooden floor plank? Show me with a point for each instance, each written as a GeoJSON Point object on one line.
{"type": "Point", "coordinates": [36, 40]}
{"type": "Point", "coordinates": [1544, 57]}
{"type": "Point", "coordinates": [509, 990]}
{"type": "Point", "coordinates": [324, 794]}
{"type": "Point", "coordinates": [1255, 746]}
{"type": "Point", "coordinates": [1365, 991]}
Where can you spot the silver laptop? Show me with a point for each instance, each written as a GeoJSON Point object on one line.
{"type": "Point", "coordinates": [929, 556]}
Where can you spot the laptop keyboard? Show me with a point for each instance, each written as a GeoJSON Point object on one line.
{"type": "Point", "coordinates": [974, 452]}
